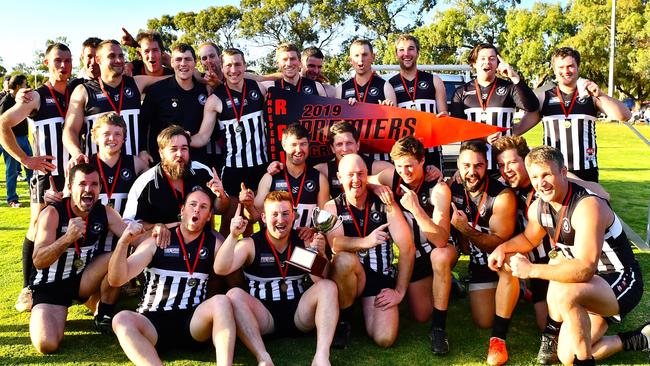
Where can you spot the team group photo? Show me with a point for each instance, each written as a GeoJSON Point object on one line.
{"type": "Point", "coordinates": [326, 183]}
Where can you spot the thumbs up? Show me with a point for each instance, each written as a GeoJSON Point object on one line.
{"type": "Point", "coordinates": [52, 194]}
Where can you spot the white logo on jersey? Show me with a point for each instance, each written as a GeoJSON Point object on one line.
{"type": "Point", "coordinates": [399, 89]}
{"type": "Point", "coordinates": [581, 100]}
{"type": "Point", "coordinates": [100, 96]}
{"type": "Point", "coordinates": [171, 252]}
{"type": "Point", "coordinates": [349, 93]}
{"type": "Point", "coordinates": [308, 90]}
{"type": "Point", "coordinates": [554, 100]}
{"type": "Point", "coordinates": [375, 217]}
{"type": "Point", "coordinates": [204, 253]}
{"type": "Point", "coordinates": [373, 92]}
{"type": "Point", "coordinates": [128, 92]}
{"type": "Point", "coordinates": [566, 225]}
{"type": "Point", "coordinates": [97, 228]}
{"type": "Point", "coordinates": [267, 259]}
{"type": "Point", "coordinates": [423, 85]}
{"type": "Point", "coordinates": [125, 174]}
{"type": "Point", "coordinates": [50, 101]}
{"type": "Point", "coordinates": [310, 186]}
{"type": "Point", "coordinates": [482, 211]}
{"type": "Point", "coordinates": [254, 95]}
{"type": "Point", "coordinates": [501, 90]}
{"type": "Point", "coordinates": [202, 99]}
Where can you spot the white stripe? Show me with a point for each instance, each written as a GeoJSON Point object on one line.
{"type": "Point", "coordinates": [629, 287]}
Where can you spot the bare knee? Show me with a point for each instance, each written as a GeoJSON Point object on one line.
{"type": "Point", "coordinates": [46, 344]}
{"type": "Point", "coordinates": [122, 321]}
{"type": "Point", "coordinates": [327, 288]}
{"type": "Point", "coordinates": [442, 259]}
{"type": "Point", "coordinates": [561, 297]}
{"type": "Point", "coordinates": [384, 339]}
{"type": "Point", "coordinates": [236, 296]}
{"type": "Point", "coordinates": [344, 263]}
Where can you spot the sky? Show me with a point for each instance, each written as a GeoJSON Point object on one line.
{"type": "Point", "coordinates": [28, 25]}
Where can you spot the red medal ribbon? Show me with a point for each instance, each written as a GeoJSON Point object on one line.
{"type": "Point", "coordinates": [302, 184]}
{"type": "Point", "coordinates": [479, 95]}
{"type": "Point", "coordinates": [354, 220]}
{"type": "Point", "coordinates": [283, 273]}
{"type": "Point", "coordinates": [399, 188]}
{"type": "Point", "coordinates": [171, 185]}
{"type": "Point", "coordinates": [232, 101]}
{"type": "Point", "coordinates": [356, 88]}
{"type": "Point", "coordinates": [76, 244]}
{"type": "Point", "coordinates": [297, 87]}
{"type": "Point", "coordinates": [109, 192]}
{"type": "Point", "coordinates": [478, 208]}
{"type": "Point", "coordinates": [101, 85]}
{"type": "Point", "coordinates": [198, 251]}
{"type": "Point", "coordinates": [558, 226]}
{"type": "Point", "coordinates": [62, 111]}
{"type": "Point", "coordinates": [415, 86]}
{"type": "Point", "coordinates": [573, 101]}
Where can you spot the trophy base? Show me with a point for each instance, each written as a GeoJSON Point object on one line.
{"type": "Point", "coordinates": [308, 260]}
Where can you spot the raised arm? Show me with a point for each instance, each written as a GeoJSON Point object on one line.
{"type": "Point", "coordinates": [120, 268]}
{"type": "Point", "coordinates": [234, 253]}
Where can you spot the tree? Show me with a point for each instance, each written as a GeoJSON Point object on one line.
{"type": "Point", "coordinates": [382, 19]}
{"type": "Point", "coordinates": [221, 21]}
{"type": "Point", "coordinates": [39, 55]}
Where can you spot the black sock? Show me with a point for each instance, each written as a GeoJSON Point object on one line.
{"type": "Point", "coordinates": [633, 341]}
{"type": "Point", "coordinates": [500, 327]}
{"type": "Point", "coordinates": [105, 309]}
{"type": "Point", "coordinates": [439, 319]}
{"type": "Point", "coordinates": [552, 326]}
{"type": "Point", "coordinates": [587, 362]}
{"type": "Point", "coordinates": [28, 263]}
{"type": "Point", "coordinates": [345, 314]}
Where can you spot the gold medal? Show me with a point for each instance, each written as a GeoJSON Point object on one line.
{"type": "Point", "coordinates": [567, 123]}
{"type": "Point", "coordinates": [413, 106]}
{"type": "Point", "coordinates": [239, 128]}
{"type": "Point", "coordinates": [192, 282]}
{"type": "Point", "coordinates": [553, 253]}
{"type": "Point", "coordinates": [283, 286]}
{"type": "Point", "coordinates": [78, 263]}
{"type": "Point", "coordinates": [484, 117]}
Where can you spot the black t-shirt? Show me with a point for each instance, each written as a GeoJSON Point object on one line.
{"type": "Point", "coordinates": [7, 102]}
{"type": "Point", "coordinates": [166, 103]}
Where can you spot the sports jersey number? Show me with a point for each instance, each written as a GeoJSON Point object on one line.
{"type": "Point", "coordinates": [315, 111]}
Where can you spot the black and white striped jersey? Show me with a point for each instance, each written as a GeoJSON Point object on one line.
{"type": "Point", "coordinates": [305, 195]}
{"type": "Point", "coordinates": [471, 209]}
{"type": "Point", "coordinates": [166, 284]}
{"type": "Point", "coordinates": [119, 184]}
{"type": "Point", "coordinates": [422, 245]}
{"type": "Point", "coordinates": [263, 277]}
{"type": "Point", "coordinates": [525, 196]}
{"type": "Point", "coordinates": [47, 128]}
{"type": "Point", "coordinates": [371, 92]}
{"type": "Point", "coordinates": [574, 135]}
{"type": "Point", "coordinates": [421, 97]}
{"type": "Point", "coordinates": [304, 86]}
{"type": "Point", "coordinates": [380, 258]}
{"type": "Point", "coordinates": [63, 268]}
{"type": "Point", "coordinates": [153, 200]}
{"type": "Point", "coordinates": [246, 140]}
{"type": "Point", "coordinates": [128, 96]}
{"type": "Point", "coordinates": [333, 167]}
{"type": "Point", "coordinates": [616, 253]}
{"type": "Point", "coordinates": [501, 98]}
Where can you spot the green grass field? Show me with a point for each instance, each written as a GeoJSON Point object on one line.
{"type": "Point", "coordinates": [625, 173]}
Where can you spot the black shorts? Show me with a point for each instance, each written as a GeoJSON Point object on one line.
{"type": "Point", "coordinates": [375, 282]}
{"type": "Point", "coordinates": [590, 175]}
{"type": "Point", "coordinates": [41, 183]}
{"type": "Point", "coordinates": [481, 277]}
{"type": "Point", "coordinates": [422, 267]}
{"type": "Point", "coordinates": [283, 313]}
{"type": "Point", "coordinates": [62, 292]}
{"type": "Point", "coordinates": [628, 289]}
{"type": "Point", "coordinates": [538, 289]}
{"type": "Point", "coordinates": [173, 327]}
{"type": "Point", "coordinates": [232, 178]}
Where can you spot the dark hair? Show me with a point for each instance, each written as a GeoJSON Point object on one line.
{"type": "Point", "coordinates": [151, 36]}
{"type": "Point", "coordinates": [312, 51]}
{"type": "Point", "coordinates": [407, 146]}
{"type": "Point", "coordinates": [511, 142]}
{"type": "Point", "coordinates": [545, 155]}
{"type": "Point", "coordinates": [81, 167]}
{"type": "Point", "coordinates": [165, 136]}
{"type": "Point", "coordinates": [339, 128]}
{"type": "Point", "coordinates": [408, 37]}
{"type": "Point", "coordinates": [91, 42]}
{"type": "Point", "coordinates": [478, 48]}
{"type": "Point", "coordinates": [232, 52]}
{"type": "Point", "coordinates": [184, 47]}
{"type": "Point", "coordinates": [297, 130]}
{"type": "Point", "coordinates": [362, 42]}
{"type": "Point", "coordinates": [56, 46]}
{"type": "Point", "coordinates": [206, 191]}
{"type": "Point", "coordinates": [476, 146]}
{"type": "Point", "coordinates": [16, 81]}
{"type": "Point", "coordinates": [563, 52]}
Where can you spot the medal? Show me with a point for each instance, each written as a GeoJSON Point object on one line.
{"type": "Point", "coordinates": [406, 89]}
{"type": "Point", "coordinates": [483, 117]}
{"type": "Point", "coordinates": [192, 282]}
{"type": "Point", "coordinates": [283, 286]}
{"type": "Point", "coordinates": [78, 263]}
{"type": "Point", "coordinates": [363, 252]}
{"type": "Point", "coordinates": [239, 129]}
{"type": "Point", "coordinates": [567, 123]}
{"type": "Point", "coordinates": [567, 112]}
{"type": "Point", "coordinates": [413, 106]}
{"type": "Point", "coordinates": [282, 267]}
{"type": "Point", "coordinates": [552, 254]}
{"type": "Point", "coordinates": [174, 104]}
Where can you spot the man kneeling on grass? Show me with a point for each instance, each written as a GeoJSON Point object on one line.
{"type": "Point", "coordinates": [277, 300]}
{"type": "Point", "coordinates": [174, 310]}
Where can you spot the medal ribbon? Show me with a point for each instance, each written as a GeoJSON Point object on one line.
{"type": "Point", "coordinates": [558, 226]}
{"type": "Point", "coordinates": [354, 220]}
{"type": "Point", "coordinates": [399, 187]}
{"type": "Point", "coordinates": [479, 94]}
{"type": "Point", "coordinates": [62, 111]}
{"type": "Point", "coordinates": [415, 86]}
{"type": "Point", "coordinates": [101, 85]}
{"type": "Point", "coordinates": [232, 101]}
{"type": "Point", "coordinates": [573, 101]}
{"type": "Point", "coordinates": [109, 192]}
{"type": "Point", "coordinates": [198, 251]}
{"type": "Point", "coordinates": [297, 87]}
{"type": "Point", "coordinates": [76, 244]}
{"type": "Point", "coordinates": [171, 185]}
{"type": "Point", "coordinates": [478, 208]}
{"type": "Point", "coordinates": [277, 257]}
{"type": "Point", "coordinates": [356, 88]}
{"type": "Point", "coordinates": [302, 184]}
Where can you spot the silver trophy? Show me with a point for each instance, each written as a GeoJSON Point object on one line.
{"type": "Point", "coordinates": [309, 259]}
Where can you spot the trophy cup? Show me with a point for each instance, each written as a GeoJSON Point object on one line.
{"type": "Point", "coordinates": [309, 259]}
